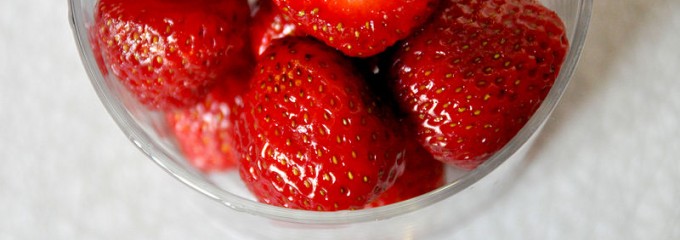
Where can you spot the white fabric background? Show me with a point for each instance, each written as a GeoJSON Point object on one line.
{"type": "Point", "coordinates": [607, 165]}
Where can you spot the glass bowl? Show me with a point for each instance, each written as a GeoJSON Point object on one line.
{"type": "Point", "coordinates": [436, 213]}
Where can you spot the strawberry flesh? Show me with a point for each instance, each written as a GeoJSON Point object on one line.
{"type": "Point", "coordinates": [474, 76]}
{"type": "Point", "coordinates": [311, 134]}
{"type": "Point", "coordinates": [205, 131]}
{"type": "Point", "coordinates": [169, 53]}
{"type": "Point", "coordinates": [358, 27]}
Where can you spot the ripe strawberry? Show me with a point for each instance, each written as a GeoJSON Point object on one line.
{"type": "Point", "coordinates": [358, 28]}
{"type": "Point", "coordinates": [474, 76]}
{"type": "Point", "coordinates": [169, 53]}
{"type": "Point", "coordinates": [269, 24]}
{"type": "Point", "coordinates": [205, 131]}
{"type": "Point", "coordinates": [312, 136]}
{"type": "Point", "coordinates": [422, 174]}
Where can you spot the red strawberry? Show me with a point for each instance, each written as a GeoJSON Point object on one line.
{"type": "Point", "coordinates": [269, 24]}
{"type": "Point", "coordinates": [474, 76]}
{"type": "Point", "coordinates": [169, 53]}
{"type": "Point", "coordinates": [358, 27]}
{"type": "Point", "coordinates": [422, 174]}
{"type": "Point", "coordinates": [312, 136]}
{"type": "Point", "coordinates": [205, 132]}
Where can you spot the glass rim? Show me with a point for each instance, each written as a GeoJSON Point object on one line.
{"type": "Point", "coordinates": [169, 163]}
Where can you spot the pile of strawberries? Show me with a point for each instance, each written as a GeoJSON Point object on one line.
{"type": "Point", "coordinates": [334, 105]}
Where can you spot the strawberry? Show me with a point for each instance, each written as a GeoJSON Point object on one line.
{"type": "Point", "coordinates": [269, 24]}
{"type": "Point", "coordinates": [311, 134]}
{"type": "Point", "coordinates": [473, 76]}
{"type": "Point", "coordinates": [422, 174]}
{"type": "Point", "coordinates": [205, 131]}
{"type": "Point", "coordinates": [361, 27]}
{"type": "Point", "coordinates": [169, 53]}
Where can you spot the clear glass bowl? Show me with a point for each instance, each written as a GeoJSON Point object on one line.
{"type": "Point", "coordinates": [436, 213]}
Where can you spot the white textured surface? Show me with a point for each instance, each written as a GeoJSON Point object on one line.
{"type": "Point", "coordinates": [607, 165]}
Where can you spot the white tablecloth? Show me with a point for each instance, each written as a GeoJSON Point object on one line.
{"type": "Point", "coordinates": [607, 165]}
